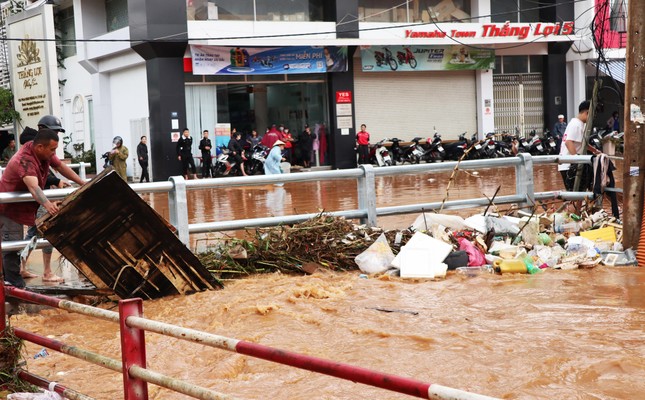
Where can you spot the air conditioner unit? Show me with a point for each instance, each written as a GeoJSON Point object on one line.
{"type": "Point", "coordinates": [212, 12]}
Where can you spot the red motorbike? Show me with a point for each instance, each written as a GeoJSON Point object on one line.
{"type": "Point", "coordinates": [407, 58]}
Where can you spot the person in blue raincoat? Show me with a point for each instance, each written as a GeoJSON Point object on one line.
{"type": "Point", "coordinates": [272, 163]}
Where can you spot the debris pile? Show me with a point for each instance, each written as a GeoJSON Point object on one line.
{"type": "Point", "coordinates": [321, 242]}
{"type": "Point", "coordinates": [11, 348]}
{"type": "Point", "coordinates": [432, 245]}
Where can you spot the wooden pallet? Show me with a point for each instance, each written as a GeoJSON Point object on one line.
{"type": "Point", "coordinates": [121, 244]}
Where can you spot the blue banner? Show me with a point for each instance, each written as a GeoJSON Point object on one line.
{"type": "Point", "coordinates": [215, 60]}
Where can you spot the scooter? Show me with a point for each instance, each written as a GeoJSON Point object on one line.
{"type": "Point", "coordinates": [221, 165]}
{"type": "Point", "coordinates": [385, 58]}
{"type": "Point", "coordinates": [456, 149]}
{"type": "Point", "coordinates": [434, 149]}
{"type": "Point", "coordinates": [536, 147]}
{"type": "Point", "coordinates": [407, 58]}
{"type": "Point", "coordinates": [413, 152]}
{"type": "Point", "coordinates": [396, 151]}
{"type": "Point", "coordinates": [380, 155]}
{"type": "Point", "coordinates": [255, 163]}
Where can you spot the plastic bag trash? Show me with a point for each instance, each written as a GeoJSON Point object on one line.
{"type": "Point", "coordinates": [475, 256]}
{"type": "Point", "coordinates": [453, 222]}
{"type": "Point", "coordinates": [477, 223]}
{"type": "Point", "coordinates": [501, 226]}
{"type": "Point", "coordinates": [377, 258]}
{"type": "Point", "coordinates": [44, 395]}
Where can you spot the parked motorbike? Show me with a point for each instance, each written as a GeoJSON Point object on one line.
{"type": "Point", "coordinates": [256, 159]}
{"type": "Point", "coordinates": [550, 142]}
{"type": "Point", "coordinates": [221, 164]}
{"type": "Point", "coordinates": [413, 152]}
{"type": "Point", "coordinates": [536, 147]}
{"type": "Point", "coordinates": [456, 149]}
{"type": "Point", "coordinates": [396, 151]}
{"type": "Point", "coordinates": [407, 58]}
{"type": "Point", "coordinates": [385, 58]}
{"type": "Point", "coordinates": [434, 150]}
{"type": "Point", "coordinates": [380, 155]}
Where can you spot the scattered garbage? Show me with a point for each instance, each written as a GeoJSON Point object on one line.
{"type": "Point", "coordinates": [377, 258]}
{"type": "Point", "coordinates": [433, 245]}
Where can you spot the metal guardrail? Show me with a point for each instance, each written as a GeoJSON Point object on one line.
{"type": "Point", "coordinates": [365, 175]}
{"type": "Point", "coordinates": [81, 166]}
{"type": "Point", "coordinates": [136, 375]}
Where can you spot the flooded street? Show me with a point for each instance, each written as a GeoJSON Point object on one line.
{"type": "Point", "coordinates": [555, 335]}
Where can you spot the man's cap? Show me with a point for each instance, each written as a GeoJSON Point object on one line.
{"type": "Point", "coordinates": [278, 143]}
{"type": "Point", "coordinates": [560, 116]}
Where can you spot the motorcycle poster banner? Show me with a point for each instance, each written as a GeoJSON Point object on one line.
{"type": "Point", "coordinates": [425, 58]}
{"type": "Point", "coordinates": [217, 60]}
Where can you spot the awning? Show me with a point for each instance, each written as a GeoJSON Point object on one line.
{"type": "Point", "coordinates": [612, 68]}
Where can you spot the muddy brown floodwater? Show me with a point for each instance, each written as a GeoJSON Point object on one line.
{"type": "Point", "coordinates": [554, 335]}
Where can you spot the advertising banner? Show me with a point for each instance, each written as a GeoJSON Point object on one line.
{"type": "Point", "coordinates": [425, 58]}
{"type": "Point", "coordinates": [215, 60]}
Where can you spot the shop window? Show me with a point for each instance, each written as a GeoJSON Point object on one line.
{"type": "Point", "coordinates": [536, 64]}
{"type": "Point", "coordinates": [515, 10]}
{"type": "Point", "coordinates": [518, 64]}
{"type": "Point", "coordinates": [259, 10]}
{"type": "Point", "coordinates": [289, 10]}
{"type": "Point", "coordinates": [65, 29]}
{"type": "Point", "coordinates": [414, 11]}
{"type": "Point", "coordinates": [116, 12]}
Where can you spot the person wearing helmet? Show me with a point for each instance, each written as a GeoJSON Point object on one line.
{"type": "Point", "coordinates": [118, 156]}
{"type": "Point", "coordinates": [51, 122]}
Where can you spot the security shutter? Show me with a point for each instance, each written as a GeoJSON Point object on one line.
{"type": "Point", "coordinates": [517, 95]}
{"type": "Point", "coordinates": [409, 104]}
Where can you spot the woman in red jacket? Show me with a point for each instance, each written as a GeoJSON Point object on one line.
{"type": "Point", "coordinates": [363, 141]}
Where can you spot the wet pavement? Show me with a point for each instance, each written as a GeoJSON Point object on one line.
{"type": "Point", "coordinates": [555, 335]}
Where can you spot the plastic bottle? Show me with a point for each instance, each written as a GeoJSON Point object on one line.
{"type": "Point", "coordinates": [530, 266]}
{"type": "Point", "coordinates": [510, 266]}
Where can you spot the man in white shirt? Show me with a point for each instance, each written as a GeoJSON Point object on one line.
{"type": "Point", "coordinates": [572, 142]}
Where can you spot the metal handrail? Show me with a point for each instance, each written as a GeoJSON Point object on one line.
{"type": "Point", "coordinates": [364, 175]}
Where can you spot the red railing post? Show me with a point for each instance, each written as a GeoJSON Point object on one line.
{"type": "Point", "coordinates": [133, 350]}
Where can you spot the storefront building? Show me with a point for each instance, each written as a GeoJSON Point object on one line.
{"type": "Point", "coordinates": [404, 69]}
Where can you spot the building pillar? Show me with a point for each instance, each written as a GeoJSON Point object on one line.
{"type": "Point", "coordinates": [555, 84]}
{"type": "Point", "coordinates": [343, 139]}
{"type": "Point", "coordinates": [149, 19]}
{"type": "Point", "coordinates": [485, 104]}
{"type": "Point", "coordinates": [578, 87]}
{"type": "Point", "coordinates": [261, 108]}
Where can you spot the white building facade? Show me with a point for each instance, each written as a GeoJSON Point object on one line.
{"type": "Point", "coordinates": [133, 70]}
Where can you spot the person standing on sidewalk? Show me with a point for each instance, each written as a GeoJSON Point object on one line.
{"type": "Point", "coordinates": [118, 157]}
{"type": "Point", "coordinates": [142, 156]}
{"type": "Point", "coordinates": [362, 142]}
{"type": "Point", "coordinates": [205, 146]}
{"type": "Point", "coordinates": [185, 154]}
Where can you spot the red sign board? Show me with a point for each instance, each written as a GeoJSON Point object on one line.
{"type": "Point", "coordinates": [343, 96]}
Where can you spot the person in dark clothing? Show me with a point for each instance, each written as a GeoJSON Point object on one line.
{"type": "Point", "coordinates": [236, 151]}
{"type": "Point", "coordinates": [185, 154]}
{"type": "Point", "coordinates": [306, 144]}
{"type": "Point", "coordinates": [142, 156]}
{"type": "Point", "coordinates": [205, 146]}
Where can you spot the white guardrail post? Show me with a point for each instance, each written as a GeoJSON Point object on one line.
{"type": "Point", "coordinates": [81, 170]}
{"type": "Point", "coordinates": [178, 208]}
{"type": "Point", "coordinates": [367, 195]}
{"type": "Point", "coordinates": [524, 184]}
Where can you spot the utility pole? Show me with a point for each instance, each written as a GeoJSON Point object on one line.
{"type": "Point", "coordinates": [634, 153]}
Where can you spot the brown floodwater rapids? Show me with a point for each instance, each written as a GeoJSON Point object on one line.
{"type": "Point", "coordinates": [555, 335]}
